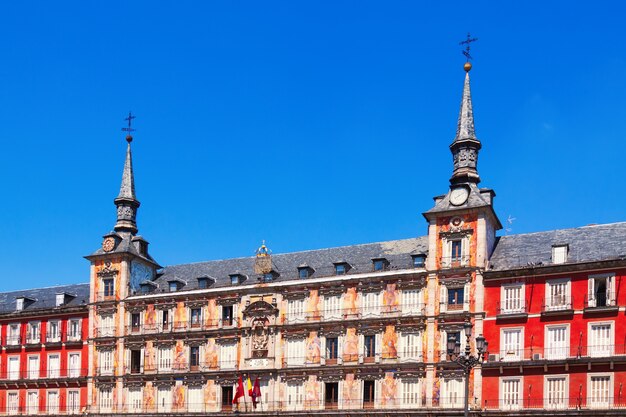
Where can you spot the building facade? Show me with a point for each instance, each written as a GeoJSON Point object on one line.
{"type": "Point", "coordinates": [44, 360]}
{"type": "Point", "coordinates": [361, 329]}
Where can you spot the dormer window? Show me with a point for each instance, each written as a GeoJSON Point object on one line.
{"type": "Point", "coordinates": [173, 286]}
{"type": "Point", "coordinates": [236, 279]}
{"type": "Point", "coordinates": [19, 304]}
{"type": "Point", "coordinates": [419, 260]}
{"type": "Point", "coordinates": [145, 288]}
{"type": "Point", "coordinates": [269, 277]}
{"type": "Point", "coordinates": [341, 268]}
{"type": "Point", "coordinates": [559, 253]}
{"type": "Point", "coordinates": [305, 271]}
{"type": "Point", "coordinates": [380, 264]}
{"type": "Point", "coordinates": [60, 300]}
{"type": "Point", "coordinates": [205, 282]}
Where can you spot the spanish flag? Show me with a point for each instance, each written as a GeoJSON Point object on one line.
{"type": "Point", "coordinates": [249, 384]}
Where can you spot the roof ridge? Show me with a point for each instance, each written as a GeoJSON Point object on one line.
{"type": "Point", "coordinates": [567, 228]}
{"type": "Point", "coordinates": [44, 288]}
{"type": "Point", "coordinates": [296, 252]}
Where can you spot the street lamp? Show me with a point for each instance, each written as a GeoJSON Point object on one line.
{"type": "Point", "coordinates": [466, 360]}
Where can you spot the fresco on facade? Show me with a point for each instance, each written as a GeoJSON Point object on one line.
{"type": "Point", "coordinates": [180, 316]}
{"type": "Point", "coordinates": [312, 392]}
{"type": "Point", "coordinates": [313, 306]}
{"type": "Point", "coordinates": [391, 299]}
{"type": "Point", "coordinates": [351, 346]}
{"type": "Point", "coordinates": [210, 354]}
{"type": "Point", "coordinates": [149, 357]}
{"type": "Point", "coordinates": [151, 317]}
{"type": "Point", "coordinates": [210, 396]}
{"type": "Point", "coordinates": [211, 316]}
{"type": "Point", "coordinates": [313, 348]}
{"type": "Point", "coordinates": [437, 392]}
{"type": "Point", "coordinates": [149, 402]}
{"type": "Point", "coordinates": [350, 306]}
{"type": "Point", "coordinates": [390, 341]}
{"type": "Point", "coordinates": [179, 396]}
{"type": "Point", "coordinates": [389, 396]}
{"type": "Point", "coordinates": [180, 360]}
{"type": "Point", "coordinates": [351, 392]}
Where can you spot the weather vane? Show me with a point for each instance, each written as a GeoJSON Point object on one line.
{"type": "Point", "coordinates": [467, 42]}
{"type": "Point", "coordinates": [129, 129]}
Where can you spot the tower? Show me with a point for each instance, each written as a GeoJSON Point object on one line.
{"type": "Point", "coordinates": [118, 270]}
{"type": "Point", "coordinates": [461, 236]}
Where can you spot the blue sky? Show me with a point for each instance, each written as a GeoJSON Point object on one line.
{"type": "Point", "coordinates": [308, 124]}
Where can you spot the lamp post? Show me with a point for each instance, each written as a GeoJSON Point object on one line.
{"type": "Point", "coordinates": [466, 360]}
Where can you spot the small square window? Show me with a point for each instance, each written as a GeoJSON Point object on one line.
{"type": "Point", "coordinates": [173, 286]}
{"type": "Point", "coordinates": [268, 277]}
{"type": "Point", "coordinates": [234, 279]}
{"type": "Point", "coordinates": [304, 272]}
{"type": "Point", "coordinates": [109, 287]}
{"type": "Point", "coordinates": [379, 264]}
{"type": "Point", "coordinates": [340, 269]}
{"type": "Point", "coordinates": [203, 283]}
{"type": "Point", "coordinates": [419, 261]}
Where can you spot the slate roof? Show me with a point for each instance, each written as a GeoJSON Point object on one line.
{"type": "Point", "coordinates": [45, 297]}
{"type": "Point", "coordinates": [397, 252]}
{"type": "Point", "coordinates": [588, 243]}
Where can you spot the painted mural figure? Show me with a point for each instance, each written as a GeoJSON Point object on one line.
{"type": "Point", "coordinates": [313, 348]}
{"type": "Point", "coordinates": [388, 396]}
{"type": "Point", "coordinates": [180, 316]}
{"type": "Point", "coordinates": [391, 299]}
{"type": "Point", "coordinates": [350, 307]}
{"type": "Point", "coordinates": [390, 339]}
{"type": "Point", "coordinates": [312, 309]}
{"type": "Point", "coordinates": [351, 392]}
{"type": "Point", "coordinates": [151, 321]}
{"type": "Point", "coordinates": [210, 354]}
{"type": "Point", "coordinates": [311, 392]}
{"type": "Point", "coordinates": [180, 362]}
{"type": "Point", "coordinates": [351, 346]}
{"type": "Point", "coordinates": [211, 318]}
{"type": "Point", "coordinates": [148, 397]}
{"type": "Point", "coordinates": [150, 357]}
{"type": "Point", "coordinates": [210, 396]}
{"type": "Point", "coordinates": [179, 397]}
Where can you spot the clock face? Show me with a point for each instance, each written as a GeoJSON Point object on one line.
{"type": "Point", "coordinates": [108, 244]}
{"type": "Point", "coordinates": [138, 273]}
{"type": "Point", "coordinates": [458, 196]}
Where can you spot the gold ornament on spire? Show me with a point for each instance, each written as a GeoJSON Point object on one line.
{"type": "Point", "coordinates": [263, 261]}
{"type": "Point", "coordinates": [468, 65]}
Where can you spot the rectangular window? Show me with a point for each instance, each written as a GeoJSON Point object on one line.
{"type": "Point", "coordinates": [227, 398]}
{"type": "Point", "coordinates": [452, 395]}
{"type": "Point", "coordinates": [196, 317]}
{"type": "Point", "coordinates": [228, 356]}
{"type": "Point", "coordinates": [106, 325]}
{"type": "Point", "coordinates": [558, 295]}
{"type": "Point", "coordinates": [456, 335]}
{"type": "Point", "coordinates": [33, 367]}
{"type": "Point", "coordinates": [512, 344]}
{"type": "Point", "coordinates": [340, 269]}
{"type": "Point", "coordinates": [599, 391]}
{"type": "Point", "coordinates": [555, 392]}
{"type": "Point", "coordinates": [456, 251]}
{"type": "Point", "coordinates": [369, 346]}
{"type": "Point", "coordinates": [203, 283]}
{"type": "Point", "coordinates": [511, 393]}
{"type": "Point", "coordinates": [196, 398]}
{"type": "Point", "coordinates": [601, 291]}
{"type": "Point", "coordinates": [33, 334]}
{"type": "Point", "coordinates": [73, 359]}
{"type": "Point", "coordinates": [410, 393]}
{"type": "Point", "coordinates": [370, 304]}
{"type": "Point", "coordinates": [19, 304]}
{"type": "Point", "coordinates": [412, 302]}
{"type": "Point", "coordinates": [14, 368]}
{"type": "Point", "coordinates": [73, 401]}
{"type": "Point", "coordinates": [54, 365]}
{"type": "Point", "coordinates": [512, 299]}
{"type": "Point", "coordinates": [379, 265]}
{"type": "Point", "coordinates": [456, 298]}
{"type": "Point", "coordinates": [12, 403]}
{"type": "Point", "coordinates": [331, 395]}
{"type": "Point", "coordinates": [32, 402]}
{"type": "Point", "coordinates": [303, 273]}
{"type": "Point", "coordinates": [105, 362]}
{"type": "Point", "coordinates": [332, 307]}
{"type": "Point", "coordinates": [368, 394]}
{"type": "Point", "coordinates": [600, 339]}
{"type": "Point", "coordinates": [105, 400]}
{"type": "Point", "coordinates": [164, 399]}
{"type": "Point", "coordinates": [135, 322]}
{"type": "Point", "coordinates": [194, 357]}
{"type": "Point", "coordinates": [52, 402]}
{"type": "Point", "coordinates": [135, 399]}
{"type": "Point", "coordinates": [557, 342]}
{"type": "Point", "coordinates": [109, 287]}
{"type": "Point", "coordinates": [332, 349]}
{"type": "Point", "coordinates": [13, 334]}
{"type": "Point", "coordinates": [410, 346]}
{"type": "Point", "coordinates": [60, 299]}
{"type": "Point", "coordinates": [73, 330]}
{"type": "Point", "coordinates": [173, 286]}
{"type": "Point", "coordinates": [165, 358]}
{"type": "Point", "coordinates": [295, 352]}
{"type": "Point", "coordinates": [165, 320]}
{"type": "Point", "coordinates": [295, 395]}
{"type": "Point", "coordinates": [559, 254]}
{"type": "Point", "coordinates": [419, 261]}
{"type": "Point", "coordinates": [227, 315]}
{"type": "Point", "coordinates": [54, 331]}
{"type": "Point", "coordinates": [135, 361]}
{"type": "Point", "coordinates": [295, 311]}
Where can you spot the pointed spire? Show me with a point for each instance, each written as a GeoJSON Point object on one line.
{"type": "Point", "coordinates": [126, 201]}
{"type": "Point", "coordinates": [465, 146]}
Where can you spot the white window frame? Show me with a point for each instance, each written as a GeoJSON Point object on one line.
{"type": "Point", "coordinates": [511, 306]}
{"type": "Point", "coordinates": [33, 373]}
{"type": "Point", "coordinates": [13, 374]}
{"type": "Point", "coordinates": [610, 289]}
{"type": "Point", "coordinates": [296, 310]}
{"type": "Point", "coordinates": [195, 398]}
{"type": "Point", "coordinates": [446, 261]}
{"type": "Point", "coordinates": [410, 398]}
{"type": "Point", "coordinates": [228, 355]}
{"type": "Point", "coordinates": [105, 362]}
{"type": "Point", "coordinates": [595, 350]}
{"type": "Point", "coordinates": [105, 399]}
{"type": "Point", "coordinates": [32, 402]}
{"type": "Point", "coordinates": [515, 353]}
{"type": "Point", "coordinates": [73, 404]}
{"type": "Point", "coordinates": [551, 302]}
{"type": "Point", "coordinates": [51, 338]}
{"type": "Point", "coordinates": [107, 324]}
{"type": "Point", "coordinates": [72, 335]}
{"type": "Point", "coordinates": [557, 352]}
{"type": "Point", "coordinates": [459, 397]}
{"type": "Point", "coordinates": [560, 254]}
{"type": "Point", "coordinates": [412, 301]}
{"type": "Point", "coordinates": [294, 395]}
{"type": "Point", "coordinates": [593, 404]}
{"type": "Point", "coordinates": [13, 334]}
{"type": "Point", "coordinates": [54, 373]}
{"type": "Point", "coordinates": [33, 332]}
{"type": "Point", "coordinates": [52, 407]}
{"type": "Point", "coordinates": [135, 399]}
{"type": "Point", "coordinates": [556, 402]}
{"type": "Point", "coordinates": [507, 403]}
{"type": "Point", "coordinates": [332, 307]}
{"type": "Point", "coordinates": [164, 358]}
{"type": "Point", "coordinates": [410, 346]}
{"type": "Point", "coordinates": [73, 372]}
{"type": "Point", "coordinates": [13, 407]}
{"type": "Point", "coordinates": [164, 399]}
{"type": "Point", "coordinates": [370, 303]}
{"type": "Point", "coordinates": [295, 351]}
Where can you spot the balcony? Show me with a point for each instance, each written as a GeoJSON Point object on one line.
{"type": "Point", "coordinates": [512, 309]}
{"type": "Point", "coordinates": [179, 368]}
{"type": "Point", "coordinates": [566, 353]}
{"type": "Point", "coordinates": [8, 410]}
{"type": "Point", "coordinates": [604, 302]}
{"type": "Point", "coordinates": [104, 296]}
{"type": "Point", "coordinates": [105, 331]}
{"type": "Point", "coordinates": [451, 262]}
{"type": "Point", "coordinates": [556, 403]}
{"type": "Point", "coordinates": [43, 375]}
{"type": "Point", "coordinates": [358, 313]}
{"type": "Point", "coordinates": [557, 306]}
{"type": "Point", "coordinates": [13, 341]}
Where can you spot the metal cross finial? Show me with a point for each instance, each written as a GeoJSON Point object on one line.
{"type": "Point", "coordinates": [129, 119]}
{"type": "Point", "coordinates": [467, 42]}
